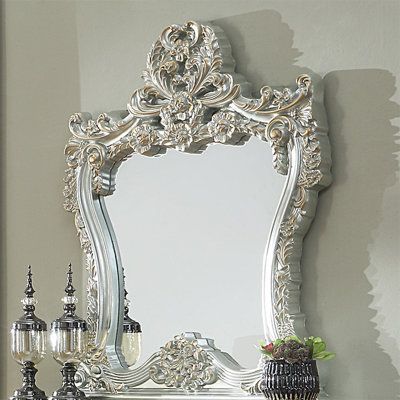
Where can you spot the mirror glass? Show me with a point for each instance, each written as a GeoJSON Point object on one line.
{"type": "Point", "coordinates": [192, 231]}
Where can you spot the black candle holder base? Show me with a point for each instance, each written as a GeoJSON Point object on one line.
{"type": "Point", "coordinates": [29, 390]}
{"type": "Point", "coordinates": [68, 391]}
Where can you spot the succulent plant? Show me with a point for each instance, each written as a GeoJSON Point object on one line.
{"type": "Point", "coordinates": [292, 352]}
{"type": "Point", "coordinates": [292, 349]}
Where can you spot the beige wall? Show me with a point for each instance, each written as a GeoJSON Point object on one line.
{"type": "Point", "coordinates": [41, 90]}
{"type": "Point", "coordinates": [62, 56]}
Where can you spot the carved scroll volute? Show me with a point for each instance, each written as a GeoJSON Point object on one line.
{"type": "Point", "coordinates": [278, 133]}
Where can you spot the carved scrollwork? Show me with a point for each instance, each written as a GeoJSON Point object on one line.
{"type": "Point", "coordinates": [278, 133]}
{"type": "Point", "coordinates": [183, 364]}
{"type": "Point", "coordinates": [276, 101]}
{"type": "Point", "coordinates": [255, 388]}
{"type": "Point", "coordinates": [184, 71]}
{"type": "Point", "coordinates": [93, 379]}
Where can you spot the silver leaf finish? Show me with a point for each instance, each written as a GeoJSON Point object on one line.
{"type": "Point", "coordinates": [192, 98]}
{"type": "Point", "coordinates": [183, 364]}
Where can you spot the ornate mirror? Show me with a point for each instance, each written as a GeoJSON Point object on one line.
{"type": "Point", "coordinates": [200, 195]}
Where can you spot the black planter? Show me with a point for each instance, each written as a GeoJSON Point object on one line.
{"type": "Point", "coordinates": [284, 381]}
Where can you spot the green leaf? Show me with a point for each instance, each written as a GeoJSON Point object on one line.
{"type": "Point", "coordinates": [293, 337]}
{"type": "Point", "coordinates": [318, 347]}
{"type": "Point", "coordinates": [324, 355]}
{"type": "Point", "coordinates": [309, 343]}
{"type": "Point", "coordinates": [278, 342]}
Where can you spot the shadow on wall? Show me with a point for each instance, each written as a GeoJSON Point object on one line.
{"type": "Point", "coordinates": [263, 48]}
{"type": "Point", "coordinates": [338, 300]}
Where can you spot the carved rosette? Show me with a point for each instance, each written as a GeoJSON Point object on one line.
{"type": "Point", "coordinates": [183, 364]}
{"type": "Point", "coordinates": [189, 100]}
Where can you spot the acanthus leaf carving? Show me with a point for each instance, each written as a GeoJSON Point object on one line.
{"type": "Point", "coordinates": [183, 66]}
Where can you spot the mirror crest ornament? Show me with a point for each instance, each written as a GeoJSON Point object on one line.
{"type": "Point", "coordinates": [192, 98]}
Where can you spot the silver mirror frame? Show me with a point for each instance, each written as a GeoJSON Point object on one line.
{"type": "Point", "coordinates": [193, 98]}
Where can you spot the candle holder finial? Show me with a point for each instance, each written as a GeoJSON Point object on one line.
{"type": "Point", "coordinates": [29, 290]}
{"type": "Point", "coordinates": [28, 344]}
{"type": "Point", "coordinates": [70, 290]}
{"type": "Point", "coordinates": [69, 343]}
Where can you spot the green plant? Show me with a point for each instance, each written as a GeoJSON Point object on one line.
{"type": "Point", "coordinates": [292, 349]}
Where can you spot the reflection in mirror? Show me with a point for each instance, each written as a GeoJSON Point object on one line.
{"type": "Point", "coordinates": [191, 231]}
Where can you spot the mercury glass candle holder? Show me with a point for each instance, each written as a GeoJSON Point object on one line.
{"type": "Point", "coordinates": [28, 345]}
{"type": "Point", "coordinates": [69, 339]}
{"type": "Point", "coordinates": [131, 337]}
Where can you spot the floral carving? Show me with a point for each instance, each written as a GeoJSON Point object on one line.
{"type": "Point", "coordinates": [222, 126]}
{"type": "Point", "coordinates": [183, 364]}
{"type": "Point", "coordinates": [181, 119]}
{"type": "Point", "coordinates": [183, 107]}
{"type": "Point", "coordinates": [142, 138]}
{"type": "Point", "coordinates": [178, 135]}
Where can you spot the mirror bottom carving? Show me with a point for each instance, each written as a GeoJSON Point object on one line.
{"type": "Point", "coordinates": [187, 364]}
